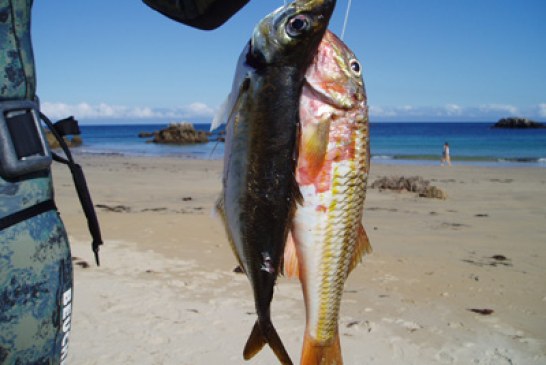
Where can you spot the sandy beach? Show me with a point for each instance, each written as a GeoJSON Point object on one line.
{"type": "Point", "coordinates": [166, 292]}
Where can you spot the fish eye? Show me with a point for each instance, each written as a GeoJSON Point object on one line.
{"type": "Point", "coordinates": [297, 25]}
{"type": "Point", "coordinates": [355, 66]}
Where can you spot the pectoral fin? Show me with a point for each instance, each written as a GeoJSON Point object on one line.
{"type": "Point", "coordinates": [314, 145]}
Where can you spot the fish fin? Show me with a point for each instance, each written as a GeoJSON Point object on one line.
{"type": "Point", "coordinates": [314, 146]}
{"type": "Point", "coordinates": [255, 343]}
{"type": "Point", "coordinates": [296, 191]}
{"type": "Point", "coordinates": [296, 194]}
{"type": "Point", "coordinates": [315, 353]}
{"type": "Point", "coordinates": [220, 116]}
{"type": "Point", "coordinates": [263, 332]}
{"type": "Point", "coordinates": [230, 104]}
{"type": "Point", "coordinates": [219, 207]}
{"type": "Point", "coordinates": [291, 264]}
{"type": "Point", "coordinates": [363, 247]}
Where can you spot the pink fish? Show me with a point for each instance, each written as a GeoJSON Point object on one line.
{"type": "Point", "coordinates": [328, 239]}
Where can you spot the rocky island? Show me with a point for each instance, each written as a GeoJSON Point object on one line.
{"type": "Point", "coordinates": [178, 133]}
{"type": "Point", "coordinates": [517, 123]}
{"type": "Point", "coordinates": [75, 141]}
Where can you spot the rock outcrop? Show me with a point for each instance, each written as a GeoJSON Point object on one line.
{"type": "Point", "coordinates": [75, 141]}
{"type": "Point", "coordinates": [180, 133]}
{"type": "Point", "coordinates": [517, 123]}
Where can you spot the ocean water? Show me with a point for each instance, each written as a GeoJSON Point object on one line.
{"type": "Point", "coordinates": [469, 143]}
{"type": "Point", "coordinates": [124, 140]}
{"type": "Point", "coordinates": [391, 143]}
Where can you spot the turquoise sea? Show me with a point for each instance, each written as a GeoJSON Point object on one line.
{"type": "Point", "coordinates": [391, 143]}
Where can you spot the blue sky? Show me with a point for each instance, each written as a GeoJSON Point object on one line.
{"type": "Point", "coordinates": [424, 60]}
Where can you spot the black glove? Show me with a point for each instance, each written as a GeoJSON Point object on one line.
{"type": "Point", "coordinates": [202, 14]}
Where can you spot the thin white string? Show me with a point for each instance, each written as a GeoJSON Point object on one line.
{"type": "Point", "coordinates": [346, 19]}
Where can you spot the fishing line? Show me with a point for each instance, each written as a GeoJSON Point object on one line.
{"type": "Point", "coordinates": [346, 19]}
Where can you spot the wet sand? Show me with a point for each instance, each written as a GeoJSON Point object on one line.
{"type": "Point", "coordinates": [455, 281]}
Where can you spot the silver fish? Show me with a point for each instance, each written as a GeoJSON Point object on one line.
{"type": "Point", "coordinates": [262, 115]}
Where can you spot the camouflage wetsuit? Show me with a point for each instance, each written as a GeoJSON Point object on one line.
{"type": "Point", "coordinates": [35, 262]}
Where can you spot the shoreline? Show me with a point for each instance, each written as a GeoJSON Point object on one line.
{"type": "Point", "coordinates": [166, 292]}
{"type": "Point", "coordinates": [463, 161]}
{"type": "Point", "coordinates": [497, 162]}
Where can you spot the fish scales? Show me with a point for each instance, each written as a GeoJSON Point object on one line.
{"type": "Point", "coordinates": [332, 173]}
{"type": "Point", "coordinates": [348, 192]}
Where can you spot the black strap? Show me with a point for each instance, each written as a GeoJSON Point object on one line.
{"type": "Point", "coordinates": [27, 213]}
{"type": "Point", "coordinates": [81, 187]}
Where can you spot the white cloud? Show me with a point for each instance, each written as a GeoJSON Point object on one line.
{"type": "Point", "coordinates": [542, 110]}
{"type": "Point", "coordinates": [453, 109]}
{"type": "Point", "coordinates": [200, 109]}
{"type": "Point", "coordinates": [455, 112]}
{"type": "Point", "coordinates": [107, 111]}
{"type": "Point", "coordinates": [378, 111]}
{"type": "Point", "coordinates": [396, 112]}
{"type": "Point", "coordinates": [503, 108]}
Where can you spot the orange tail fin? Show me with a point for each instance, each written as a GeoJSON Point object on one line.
{"type": "Point", "coordinates": [315, 353]}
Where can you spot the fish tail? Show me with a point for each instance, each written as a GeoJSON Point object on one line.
{"type": "Point", "coordinates": [316, 353]}
{"type": "Point", "coordinates": [263, 332]}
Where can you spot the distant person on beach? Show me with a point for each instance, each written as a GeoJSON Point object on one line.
{"type": "Point", "coordinates": [445, 155]}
